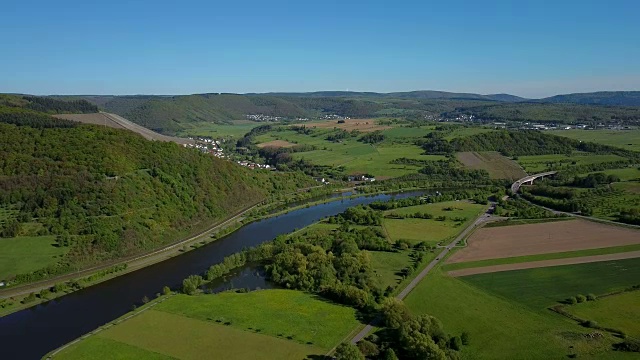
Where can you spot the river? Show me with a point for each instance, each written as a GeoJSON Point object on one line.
{"type": "Point", "coordinates": [33, 332]}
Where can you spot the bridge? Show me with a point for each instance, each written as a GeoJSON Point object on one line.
{"type": "Point", "coordinates": [529, 179]}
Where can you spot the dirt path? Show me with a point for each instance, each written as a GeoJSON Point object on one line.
{"type": "Point", "coordinates": [544, 263]}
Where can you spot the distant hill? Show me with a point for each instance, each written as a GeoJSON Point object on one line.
{"type": "Point", "coordinates": [618, 98]}
{"type": "Point", "coordinates": [420, 94]}
{"type": "Point", "coordinates": [171, 115]}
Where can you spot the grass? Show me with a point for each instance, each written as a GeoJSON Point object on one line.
{"type": "Point", "coordinates": [387, 265]}
{"type": "Point", "coordinates": [402, 132]}
{"type": "Point", "coordinates": [99, 348]}
{"type": "Point", "coordinates": [542, 287]}
{"type": "Point", "coordinates": [540, 257]}
{"type": "Point", "coordinates": [630, 187]}
{"type": "Point", "coordinates": [236, 130]}
{"type": "Point", "coordinates": [25, 254]}
{"type": "Point", "coordinates": [466, 131]}
{"type": "Point", "coordinates": [180, 337]}
{"type": "Point", "coordinates": [305, 318]}
{"type": "Point", "coordinates": [620, 311]}
{"type": "Point", "coordinates": [498, 166]}
{"type": "Point", "coordinates": [500, 328]}
{"type": "Point", "coordinates": [540, 163]}
{"type": "Point", "coordinates": [354, 156]}
{"type": "Point", "coordinates": [625, 174]}
{"type": "Point", "coordinates": [431, 230]}
{"type": "Point", "coordinates": [514, 221]}
{"type": "Point", "coordinates": [627, 139]}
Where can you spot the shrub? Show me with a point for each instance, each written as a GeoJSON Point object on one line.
{"type": "Point", "coordinates": [465, 338]}
{"type": "Point", "coordinates": [455, 343]}
{"type": "Point", "coordinates": [166, 290]}
{"type": "Point", "coordinates": [368, 349]}
{"type": "Point", "coordinates": [591, 297]}
{"type": "Point", "coordinates": [572, 300]}
{"type": "Point", "coordinates": [581, 298]}
{"type": "Point", "coordinates": [590, 324]}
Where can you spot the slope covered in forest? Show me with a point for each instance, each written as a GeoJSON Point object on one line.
{"type": "Point", "coordinates": [107, 193]}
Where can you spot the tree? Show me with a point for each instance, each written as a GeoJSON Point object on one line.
{"type": "Point", "coordinates": [145, 299]}
{"type": "Point", "coordinates": [591, 297]}
{"type": "Point", "coordinates": [394, 312]}
{"type": "Point", "coordinates": [368, 349]}
{"type": "Point", "coordinates": [166, 290]}
{"type": "Point", "coordinates": [389, 354]}
{"type": "Point", "coordinates": [348, 351]}
{"type": "Point", "coordinates": [581, 298]}
{"type": "Point", "coordinates": [191, 284]}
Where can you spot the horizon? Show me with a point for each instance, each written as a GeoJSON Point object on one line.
{"type": "Point", "coordinates": [119, 48]}
{"type": "Point", "coordinates": [319, 91]}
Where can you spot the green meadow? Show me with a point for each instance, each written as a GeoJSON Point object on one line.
{"type": "Point", "coordinates": [180, 337]}
{"type": "Point", "coordinates": [620, 312]}
{"type": "Point", "coordinates": [543, 287]}
{"type": "Point", "coordinates": [539, 163]}
{"type": "Point", "coordinates": [626, 139]}
{"type": "Point", "coordinates": [24, 254]}
{"type": "Point", "coordinates": [501, 327]}
{"type": "Point", "coordinates": [432, 230]}
{"type": "Point", "coordinates": [287, 314]}
{"type": "Point", "coordinates": [354, 156]}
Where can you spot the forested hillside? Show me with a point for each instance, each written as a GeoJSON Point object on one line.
{"type": "Point", "coordinates": [517, 143]}
{"type": "Point", "coordinates": [107, 193]}
{"type": "Point", "coordinates": [171, 114]}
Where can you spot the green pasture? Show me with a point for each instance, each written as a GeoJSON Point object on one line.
{"type": "Point", "coordinates": [354, 156]}
{"type": "Point", "coordinates": [100, 348]}
{"type": "Point", "coordinates": [626, 139]}
{"type": "Point", "coordinates": [542, 287]}
{"type": "Point", "coordinates": [625, 174]}
{"type": "Point", "coordinates": [431, 230]}
{"type": "Point", "coordinates": [157, 332]}
{"type": "Point", "coordinates": [306, 318]}
{"type": "Point", "coordinates": [500, 328]}
{"type": "Point", "coordinates": [629, 187]}
{"type": "Point", "coordinates": [25, 254]}
{"type": "Point", "coordinates": [235, 130]}
{"type": "Point", "coordinates": [620, 312]}
{"type": "Point", "coordinates": [540, 163]}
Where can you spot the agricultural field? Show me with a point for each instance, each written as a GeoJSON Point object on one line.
{"type": "Point", "coordinates": [542, 238]}
{"type": "Point", "coordinates": [466, 131]}
{"type": "Point", "coordinates": [276, 144]}
{"type": "Point", "coordinates": [629, 187]}
{"type": "Point", "coordinates": [542, 287]}
{"type": "Point", "coordinates": [362, 125]}
{"type": "Point", "coordinates": [25, 254]}
{"type": "Point", "coordinates": [626, 139]}
{"type": "Point", "coordinates": [180, 337]}
{"type": "Point", "coordinates": [619, 311]}
{"type": "Point", "coordinates": [540, 163]}
{"type": "Point", "coordinates": [432, 230]}
{"type": "Point", "coordinates": [480, 264]}
{"type": "Point", "coordinates": [300, 317]}
{"type": "Point", "coordinates": [502, 328]}
{"type": "Point", "coordinates": [498, 166]}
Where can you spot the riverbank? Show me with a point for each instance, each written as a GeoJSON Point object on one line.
{"type": "Point", "coordinates": [14, 297]}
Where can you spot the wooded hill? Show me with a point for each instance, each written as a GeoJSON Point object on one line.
{"type": "Point", "coordinates": [170, 114]}
{"type": "Point", "coordinates": [107, 193]}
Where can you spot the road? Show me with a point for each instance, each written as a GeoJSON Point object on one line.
{"type": "Point", "coordinates": [484, 218]}
{"type": "Point", "coordinates": [516, 185]}
{"type": "Point", "coordinates": [146, 133]}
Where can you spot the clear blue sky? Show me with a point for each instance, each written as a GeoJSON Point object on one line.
{"type": "Point", "coordinates": [528, 48]}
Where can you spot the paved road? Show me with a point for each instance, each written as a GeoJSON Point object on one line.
{"type": "Point", "coordinates": [516, 185]}
{"type": "Point", "coordinates": [486, 217]}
